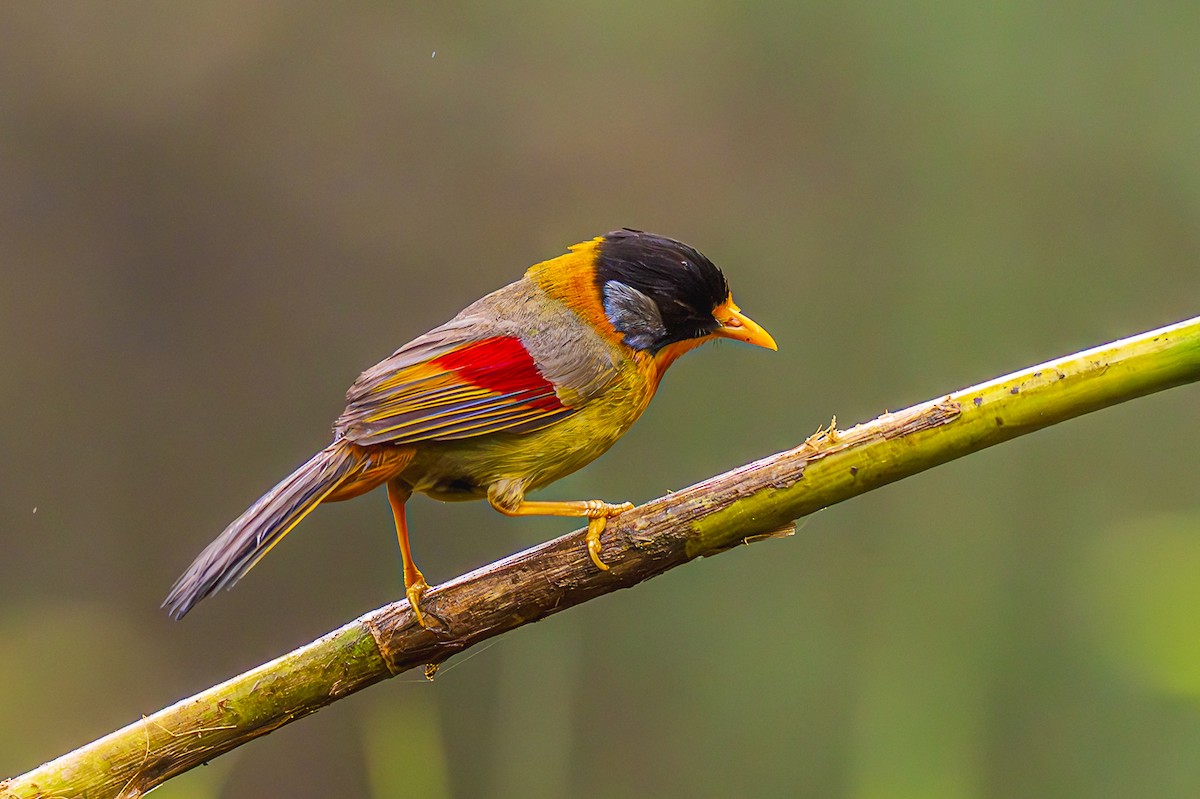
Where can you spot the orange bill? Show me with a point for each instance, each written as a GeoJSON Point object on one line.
{"type": "Point", "coordinates": [739, 327]}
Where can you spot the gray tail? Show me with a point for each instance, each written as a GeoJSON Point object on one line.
{"type": "Point", "coordinates": [251, 535]}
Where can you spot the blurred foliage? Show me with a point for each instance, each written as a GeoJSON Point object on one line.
{"type": "Point", "coordinates": [216, 214]}
{"type": "Point", "coordinates": [1139, 593]}
{"type": "Point", "coordinates": [404, 750]}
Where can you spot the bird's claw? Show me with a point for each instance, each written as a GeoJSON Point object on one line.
{"type": "Point", "coordinates": [414, 591]}
{"type": "Point", "coordinates": [598, 513]}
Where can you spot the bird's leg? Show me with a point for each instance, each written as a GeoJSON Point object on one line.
{"type": "Point", "coordinates": [596, 512]}
{"type": "Point", "coordinates": [414, 581]}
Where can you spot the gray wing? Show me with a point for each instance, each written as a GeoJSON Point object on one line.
{"type": "Point", "coordinates": [509, 362]}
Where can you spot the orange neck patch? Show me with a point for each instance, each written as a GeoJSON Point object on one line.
{"type": "Point", "coordinates": [670, 353]}
{"type": "Point", "coordinates": [571, 279]}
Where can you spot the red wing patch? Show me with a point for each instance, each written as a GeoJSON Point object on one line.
{"type": "Point", "coordinates": [504, 366]}
{"type": "Point", "coordinates": [482, 387]}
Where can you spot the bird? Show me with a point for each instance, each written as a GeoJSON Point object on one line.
{"type": "Point", "coordinates": [521, 388]}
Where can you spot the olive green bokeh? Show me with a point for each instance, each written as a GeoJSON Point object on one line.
{"type": "Point", "coordinates": [215, 215]}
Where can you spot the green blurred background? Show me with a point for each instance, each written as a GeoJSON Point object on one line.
{"type": "Point", "coordinates": [214, 215]}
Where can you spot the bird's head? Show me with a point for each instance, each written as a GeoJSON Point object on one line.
{"type": "Point", "coordinates": [664, 297]}
{"type": "Point", "coordinates": [655, 295]}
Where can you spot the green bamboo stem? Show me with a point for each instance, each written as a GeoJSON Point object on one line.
{"type": "Point", "coordinates": [751, 502]}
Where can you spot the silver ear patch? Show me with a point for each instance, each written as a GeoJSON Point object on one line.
{"type": "Point", "coordinates": [633, 314]}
